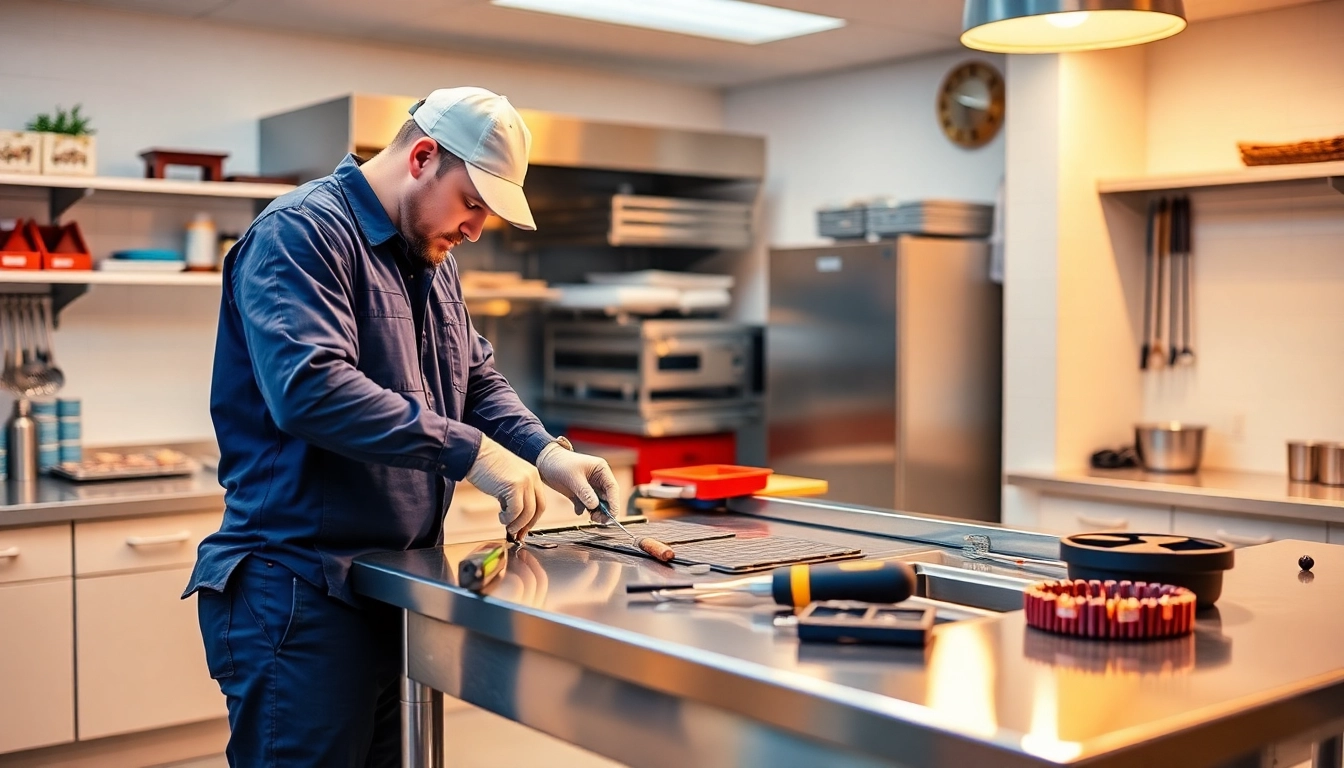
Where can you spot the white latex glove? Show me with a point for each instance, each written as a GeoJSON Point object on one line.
{"type": "Point", "coordinates": [582, 478]}
{"type": "Point", "coordinates": [502, 474]}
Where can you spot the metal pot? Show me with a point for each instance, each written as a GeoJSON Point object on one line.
{"type": "Point", "coordinates": [1329, 463]}
{"type": "Point", "coordinates": [1170, 446]}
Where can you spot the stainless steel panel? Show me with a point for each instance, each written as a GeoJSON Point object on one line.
{"type": "Point", "coordinates": [571, 142]}
{"type": "Point", "coordinates": [652, 377]}
{"type": "Point", "coordinates": [308, 142]}
{"type": "Point", "coordinates": [366, 122]}
{"type": "Point", "coordinates": [559, 646]}
{"type": "Point", "coordinates": [949, 393]}
{"type": "Point", "coordinates": [883, 364]}
{"type": "Point", "coordinates": [831, 369]}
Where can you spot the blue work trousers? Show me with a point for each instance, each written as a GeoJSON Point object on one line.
{"type": "Point", "coordinates": [310, 680]}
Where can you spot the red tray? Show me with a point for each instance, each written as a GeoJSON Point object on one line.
{"type": "Point", "coordinates": [716, 481]}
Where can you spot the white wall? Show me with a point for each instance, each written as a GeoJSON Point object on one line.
{"type": "Point", "coordinates": [1269, 281]}
{"type": "Point", "coordinates": [855, 134]}
{"type": "Point", "coordinates": [1269, 284]}
{"type": "Point", "coordinates": [140, 357]}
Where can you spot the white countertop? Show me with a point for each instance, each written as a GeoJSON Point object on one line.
{"type": "Point", "coordinates": [1250, 493]}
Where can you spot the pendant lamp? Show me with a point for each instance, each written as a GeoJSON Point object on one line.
{"type": "Point", "coordinates": [1057, 26]}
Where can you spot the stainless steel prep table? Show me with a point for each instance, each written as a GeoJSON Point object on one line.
{"type": "Point", "coordinates": [558, 646]}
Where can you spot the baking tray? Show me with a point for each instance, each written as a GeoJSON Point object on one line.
{"type": "Point", "coordinates": [83, 475]}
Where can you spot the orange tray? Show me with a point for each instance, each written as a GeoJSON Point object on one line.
{"type": "Point", "coordinates": [716, 481]}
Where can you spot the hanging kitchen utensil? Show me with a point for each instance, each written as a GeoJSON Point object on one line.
{"type": "Point", "coordinates": [1157, 353]}
{"type": "Point", "coordinates": [55, 376]}
{"type": "Point", "coordinates": [1174, 278]}
{"type": "Point", "coordinates": [1148, 284]}
{"type": "Point", "coordinates": [1187, 356]}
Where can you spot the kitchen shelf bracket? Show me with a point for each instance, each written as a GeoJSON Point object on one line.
{"type": "Point", "coordinates": [64, 197]}
{"type": "Point", "coordinates": [61, 296]}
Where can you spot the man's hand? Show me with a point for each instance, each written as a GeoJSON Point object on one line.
{"type": "Point", "coordinates": [582, 478]}
{"type": "Point", "coordinates": [516, 484]}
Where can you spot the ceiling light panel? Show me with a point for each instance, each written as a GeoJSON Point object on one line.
{"type": "Point", "coordinates": [732, 20]}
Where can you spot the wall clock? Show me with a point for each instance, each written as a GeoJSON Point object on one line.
{"type": "Point", "coordinates": [970, 104]}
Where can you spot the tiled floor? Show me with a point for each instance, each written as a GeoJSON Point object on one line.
{"type": "Point", "coordinates": [478, 739]}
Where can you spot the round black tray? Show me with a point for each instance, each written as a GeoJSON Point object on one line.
{"type": "Point", "coordinates": [1185, 561]}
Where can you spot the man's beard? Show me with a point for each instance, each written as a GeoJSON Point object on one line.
{"type": "Point", "coordinates": [425, 247]}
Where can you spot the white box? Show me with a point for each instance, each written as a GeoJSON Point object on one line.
{"type": "Point", "coordinates": [65, 155]}
{"type": "Point", "coordinates": [20, 152]}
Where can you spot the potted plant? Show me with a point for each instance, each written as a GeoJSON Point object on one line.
{"type": "Point", "coordinates": [67, 142]}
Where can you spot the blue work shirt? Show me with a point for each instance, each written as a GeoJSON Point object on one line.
{"type": "Point", "coordinates": [350, 390]}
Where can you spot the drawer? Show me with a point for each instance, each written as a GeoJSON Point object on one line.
{"type": "Point", "coordinates": [1061, 514]}
{"type": "Point", "coordinates": [142, 542]}
{"type": "Point", "coordinates": [34, 553]}
{"type": "Point", "coordinates": [1245, 531]}
{"type": "Point", "coordinates": [473, 515]}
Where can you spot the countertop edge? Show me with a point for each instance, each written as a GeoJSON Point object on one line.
{"type": "Point", "coordinates": [1201, 498]}
{"type": "Point", "coordinates": [147, 503]}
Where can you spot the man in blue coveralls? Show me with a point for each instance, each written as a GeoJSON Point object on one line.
{"type": "Point", "coordinates": [350, 393]}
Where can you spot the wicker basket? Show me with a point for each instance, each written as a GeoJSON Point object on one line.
{"type": "Point", "coordinates": [1317, 151]}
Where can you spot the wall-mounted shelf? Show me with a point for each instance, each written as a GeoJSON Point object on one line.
{"type": "Point", "coordinates": [95, 277]}
{"type": "Point", "coordinates": [65, 191]}
{"type": "Point", "coordinates": [1321, 178]}
{"type": "Point", "coordinates": [66, 286]}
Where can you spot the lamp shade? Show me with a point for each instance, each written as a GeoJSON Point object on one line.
{"type": "Point", "coordinates": [1057, 26]}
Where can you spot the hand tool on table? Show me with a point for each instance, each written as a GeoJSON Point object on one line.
{"type": "Point", "coordinates": [482, 566]}
{"type": "Point", "coordinates": [648, 545]}
{"type": "Point", "coordinates": [869, 581]}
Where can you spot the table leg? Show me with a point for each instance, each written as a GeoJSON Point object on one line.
{"type": "Point", "coordinates": [1328, 753]}
{"type": "Point", "coordinates": [421, 717]}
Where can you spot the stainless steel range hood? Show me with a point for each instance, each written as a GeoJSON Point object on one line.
{"type": "Point", "coordinates": [311, 140]}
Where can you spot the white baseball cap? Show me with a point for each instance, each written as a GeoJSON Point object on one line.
{"type": "Point", "coordinates": [489, 135]}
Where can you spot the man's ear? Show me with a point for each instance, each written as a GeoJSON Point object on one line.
{"type": "Point", "coordinates": [423, 154]}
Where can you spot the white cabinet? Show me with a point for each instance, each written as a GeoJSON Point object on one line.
{"type": "Point", "coordinates": [140, 656]}
{"type": "Point", "coordinates": [37, 666]}
{"type": "Point", "coordinates": [1334, 533]}
{"type": "Point", "coordinates": [1244, 531]}
{"type": "Point", "coordinates": [1065, 515]}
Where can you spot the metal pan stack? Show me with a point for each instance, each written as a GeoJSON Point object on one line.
{"type": "Point", "coordinates": [944, 218]}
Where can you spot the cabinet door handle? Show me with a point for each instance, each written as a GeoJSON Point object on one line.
{"type": "Point", "coordinates": [1244, 541]}
{"type": "Point", "coordinates": [8, 553]}
{"type": "Point", "coordinates": [167, 538]}
{"type": "Point", "coordinates": [1104, 523]}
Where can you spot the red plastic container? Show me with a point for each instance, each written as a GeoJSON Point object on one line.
{"type": "Point", "coordinates": [716, 481]}
{"type": "Point", "coordinates": [664, 452]}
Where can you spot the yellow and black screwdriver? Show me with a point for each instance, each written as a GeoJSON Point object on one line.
{"type": "Point", "coordinates": [869, 581]}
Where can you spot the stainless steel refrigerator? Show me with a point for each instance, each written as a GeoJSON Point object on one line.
{"type": "Point", "coordinates": [884, 365]}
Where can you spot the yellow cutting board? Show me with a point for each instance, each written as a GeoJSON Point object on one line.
{"type": "Point", "coordinates": [789, 485]}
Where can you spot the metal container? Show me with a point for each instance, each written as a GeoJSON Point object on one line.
{"type": "Point", "coordinates": [1301, 462]}
{"type": "Point", "coordinates": [1170, 446]}
{"type": "Point", "coordinates": [1329, 459]}
{"type": "Point", "coordinates": [22, 439]}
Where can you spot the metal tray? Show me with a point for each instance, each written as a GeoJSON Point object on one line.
{"type": "Point", "coordinates": [82, 475]}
